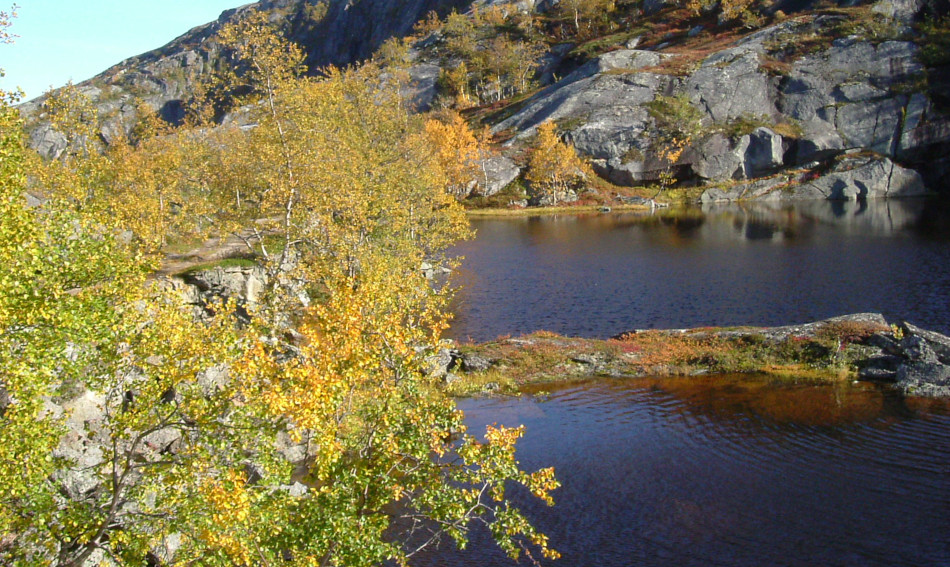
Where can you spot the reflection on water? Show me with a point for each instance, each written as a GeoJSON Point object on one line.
{"type": "Point", "coordinates": [730, 471]}
{"type": "Point", "coordinates": [767, 264]}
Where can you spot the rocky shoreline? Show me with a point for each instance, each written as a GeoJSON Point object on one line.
{"type": "Point", "coordinates": [861, 346]}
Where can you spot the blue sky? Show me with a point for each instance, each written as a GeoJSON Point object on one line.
{"type": "Point", "coordinates": [62, 40]}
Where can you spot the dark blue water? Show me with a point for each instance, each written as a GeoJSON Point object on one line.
{"type": "Point", "coordinates": [729, 471]}
{"type": "Point", "coordinates": [600, 275]}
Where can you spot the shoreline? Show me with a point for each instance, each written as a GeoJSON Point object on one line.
{"type": "Point", "coordinates": [862, 346]}
{"type": "Point", "coordinates": [488, 212]}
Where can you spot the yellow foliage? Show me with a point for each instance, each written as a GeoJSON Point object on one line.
{"type": "Point", "coordinates": [457, 151]}
{"type": "Point", "coordinates": [554, 166]}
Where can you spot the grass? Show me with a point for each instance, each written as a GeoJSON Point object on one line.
{"type": "Point", "coordinates": [225, 263]}
{"type": "Point", "coordinates": [747, 124]}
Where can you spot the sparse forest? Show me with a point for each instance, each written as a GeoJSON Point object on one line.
{"type": "Point", "coordinates": [301, 429]}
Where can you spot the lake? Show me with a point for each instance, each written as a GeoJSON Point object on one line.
{"type": "Point", "coordinates": [599, 275]}
{"type": "Point", "coordinates": [718, 470]}
{"type": "Point", "coordinates": [731, 471]}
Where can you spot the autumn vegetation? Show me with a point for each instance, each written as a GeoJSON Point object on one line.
{"type": "Point", "coordinates": [307, 433]}
{"type": "Point", "coordinates": [828, 353]}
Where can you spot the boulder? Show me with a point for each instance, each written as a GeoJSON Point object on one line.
{"type": "Point", "coordinates": [474, 362]}
{"type": "Point", "coordinates": [497, 173]}
{"type": "Point", "coordinates": [936, 343]}
{"type": "Point", "coordinates": [769, 188]}
{"type": "Point", "coordinates": [861, 178]}
{"type": "Point", "coordinates": [437, 364]}
{"type": "Point", "coordinates": [901, 10]}
{"type": "Point", "coordinates": [918, 364]}
{"type": "Point", "coordinates": [547, 200]}
{"type": "Point", "coordinates": [927, 379]}
{"type": "Point", "coordinates": [763, 152]}
{"type": "Point", "coordinates": [631, 173]}
{"type": "Point", "coordinates": [717, 158]}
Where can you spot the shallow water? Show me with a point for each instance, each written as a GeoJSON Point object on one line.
{"type": "Point", "coordinates": [599, 275]}
{"type": "Point", "coordinates": [730, 471]}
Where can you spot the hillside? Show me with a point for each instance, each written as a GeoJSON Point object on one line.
{"type": "Point", "coordinates": [787, 100]}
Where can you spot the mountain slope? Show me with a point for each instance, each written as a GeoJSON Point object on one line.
{"type": "Point", "coordinates": [652, 94]}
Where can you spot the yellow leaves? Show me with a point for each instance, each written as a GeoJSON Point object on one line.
{"type": "Point", "coordinates": [504, 437]}
{"type": "Point", "coordinates": [554, 165]}
{"type": "Point", "coordinates": [229, 503]}
{"type": "Point", "coordinates": [457, 151]}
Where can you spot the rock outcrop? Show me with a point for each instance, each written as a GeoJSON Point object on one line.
{"type": "Point", "coordinates": [917, 361]}
{"type": "Point", "coordinates": [851, 178]}
{"type": "Point", "coordinates": [855, 94]}
{"type": "Point", "coordinates": [914, 360]}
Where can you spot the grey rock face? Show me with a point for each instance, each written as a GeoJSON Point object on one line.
{"type": "Point", "coordinates": [80, 445]}
{"type": "Point", "coordinates": [422, 86]}
{"type": "Point", "coordinates": [730, 85]}
{"type": "Point", "coordinates": [605, 97]}
{"type": "Point", "coordinates": [850, 179]}
{"type": "Point", "coordinates": [844, 97]}
{"type": "Point", "coordinates": [851, 95]}
{"type": "Point", "coordinates": [497, 173]}
{"type": "Point", "coordinates": [49, 143]}
{"type": "Point", "coordinates": [244, 283]}
{"type": "Point", "coordinates": [718, 158]}
{"type": "Point", "coordinates": [654, 6]}
{"type": "Point", "coordinates": [165, 77]}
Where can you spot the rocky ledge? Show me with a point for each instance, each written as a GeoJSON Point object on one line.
{"type": "Point", "coordinates": [861, 346]}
